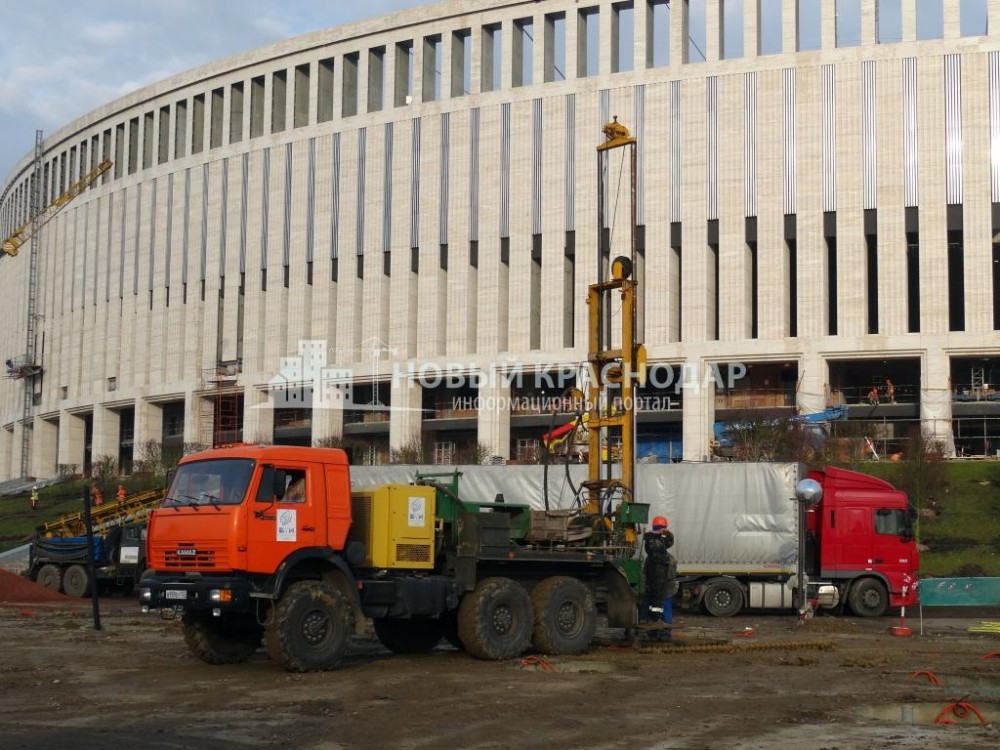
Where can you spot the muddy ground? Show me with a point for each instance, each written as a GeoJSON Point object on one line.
{"type": "Point", "coordinates": [65, 686]}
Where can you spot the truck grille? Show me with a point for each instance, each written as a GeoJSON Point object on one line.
{"type": "Point", "coordinates": [187, 556]}
{"type": "Point", "coordinates": [413, 553]}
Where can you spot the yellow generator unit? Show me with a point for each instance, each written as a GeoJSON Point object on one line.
{"type": "Point", "coordinates": [396, 523]}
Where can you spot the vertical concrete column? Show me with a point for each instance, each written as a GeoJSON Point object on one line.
{"type": "Point", "coordinates": [406, 416]}
{"type": "Point", "coordinates": [828, 24]}
{"type": "Point", "coordinates": [198, 419]}
{"type": "Point", "coordinates": [992, 19]}
{"type": "Point", "coordinates": [789, 26]}
{"type": "Point", "coordinates": [714, 32]}
{"type": "Point", "coordinates": [105, 438]}
{"type": "Point", "coordinates": [869, 31]}
{"type": "Point", "coordinates": [148, 424]}
{"type": "Point", "coordinates": [258, 416]}
{"type": "Point", "coordinates": [908, 10]}
{"type": "Point", "coordinates": [679, 32]}
{"type": "Point", "coordinates": [813, 391]}
{"type": "Point", "coordinates": [494, 414]}
{"type": "Point", "coordinates": [506, 54]}
{"type": "Point", "coordinates": [698, 411]}
{"type": "Point", "coordinates": [751, 28]}
{"type": "Point", "coordinates": [642, 35]}
{"type": "Point", "coordinates": [538, 49]}
{"type": "Point", "coordinates": [72, 437]}
{"type": "Point", "coordinates": [44, 448]}
{"type": "Point", "coordinates": [571, 70]}
{"type": "Point", "coordinates": [608, 53]}
{"type": "Point", "coordinates": [327, 422]}
{"type": "Point", "coordinates": [935, 398]}
{"type": "Point", "coordinates": [952, 13]}
{"type": "Point", "coordinates": [6, 447]}
{"type": "Point", "coordinates": [15, 454]}
{"type": "Point", "coordinates": [475, 59]}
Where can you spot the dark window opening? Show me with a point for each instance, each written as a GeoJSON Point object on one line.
{"type": "Point", "coordinates": [912, 271]}
{"type": "Point", "coordinates": [830, 232]}
{"type": "Point", "coordinates": [871, 250]}
{"type": "Point", "coordinates": [956, 281]}
{"type": "Point", "coordinates": [791, 248]}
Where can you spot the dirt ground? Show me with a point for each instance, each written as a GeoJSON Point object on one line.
{"type": "Point", "coordinates": [776, 686]}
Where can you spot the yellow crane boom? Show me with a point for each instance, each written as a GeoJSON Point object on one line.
{"type": "Point", "coordinates": [27, 230]}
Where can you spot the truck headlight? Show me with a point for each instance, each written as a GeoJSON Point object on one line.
{"type": "Point", "coordinates": [145, 594]}
{"type": "Point", "coordinates": [220, 595]}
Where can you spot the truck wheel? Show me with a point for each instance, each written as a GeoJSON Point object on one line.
{"type": "Point", "coordinates": [311, 627]}
{"type": "Point", "coordinates": [868, 598]}
{"type": "Point", "coordinates": [416, 636]}
{"type": "Point", "coordinates": [495, 620]}
{"type": "Point", "coordinates": [221, 640]}
{"type": "Point", "coordinates": [76, 581]}
{"type": "Point", "coordinates": [49, 576]}
{"type": "Point", "coordinates": [565, 616]}
{"type": "Point", "coordinates": [723, 597]}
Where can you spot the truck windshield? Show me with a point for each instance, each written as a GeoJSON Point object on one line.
{"type": "Point", "coordinates": [893, 521]}
{"type": "Point", "coordinates": [222, 481]}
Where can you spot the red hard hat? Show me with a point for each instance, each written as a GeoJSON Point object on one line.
{"type": "Point", "coordinates": [660, 522]}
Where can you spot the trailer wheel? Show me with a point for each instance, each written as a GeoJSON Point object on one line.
{"type": "Point", "coordinates": [49, 576]}
{"type": "Point", "coordinates": [495, 620]}
{"type": "Point", "coordinates": [565, 616]}
{"type": "Point", "coordinates": [723, 597]}
{"type": "Point", "coordinates": [76, 581]}
{"type": "Point", "coordinates": [415, 636]}
{"type": "Point", "coordinates": [221, 640]}
{"type": "Point", "coordinates": [868, 598]}
{"type": "Point", "coordinates": [310, 628]}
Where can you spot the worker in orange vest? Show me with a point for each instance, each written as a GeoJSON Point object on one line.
{"type": "Point", "coordinates": [121, 493]}
{"type": "Point", "coordinates": [95, 493]}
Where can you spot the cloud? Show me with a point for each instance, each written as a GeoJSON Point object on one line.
{"type": "Point", "coordinates": [61, 60]}
{"type": "Point", "coordinates": [111, 32]}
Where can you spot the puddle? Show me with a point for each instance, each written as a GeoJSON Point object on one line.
{"type": "Point", "coordinates": [586, 666]}
{"type": "Point", "coordinates": [937, 712]}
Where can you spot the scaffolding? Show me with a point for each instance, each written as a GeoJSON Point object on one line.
{"type": "Point", "coordinates": [223, 421]}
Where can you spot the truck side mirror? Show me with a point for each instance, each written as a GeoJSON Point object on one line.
{"type": "Point", "coordinates": [280, 480]}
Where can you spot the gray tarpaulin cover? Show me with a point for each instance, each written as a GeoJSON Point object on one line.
{"type": "Point", "coordinates": [726, 517]}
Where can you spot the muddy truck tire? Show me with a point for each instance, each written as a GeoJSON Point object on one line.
{"type": "Point", "coordinates": [310, 628]}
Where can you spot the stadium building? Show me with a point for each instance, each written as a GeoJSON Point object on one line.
{"type": "Point", "coordinates": [360, 234]}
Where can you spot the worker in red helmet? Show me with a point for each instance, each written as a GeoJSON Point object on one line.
{"type": "Point", "coordinates": [660, 574]}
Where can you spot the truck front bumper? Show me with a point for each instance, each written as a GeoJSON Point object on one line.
{"type": "Point", "coordinates": [179, 593]}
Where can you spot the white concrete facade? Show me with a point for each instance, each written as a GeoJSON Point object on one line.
{"type": "Point", "coordinates": [237, 184]}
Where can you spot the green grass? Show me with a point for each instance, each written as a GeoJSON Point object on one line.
{"type": "Point", "coordinates": [18, 521]}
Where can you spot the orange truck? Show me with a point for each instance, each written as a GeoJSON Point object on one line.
{"type": "Point", "coordinates": [270, 542]}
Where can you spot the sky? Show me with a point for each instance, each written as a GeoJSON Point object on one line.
{"type": "Point", "coordinates": [60, 59]}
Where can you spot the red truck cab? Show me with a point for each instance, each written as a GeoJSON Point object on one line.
{"type": "Point", "coordinates": [861, 535]}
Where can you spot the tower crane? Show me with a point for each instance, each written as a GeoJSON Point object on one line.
{"type": "Point", "coordinates": [32, 226]}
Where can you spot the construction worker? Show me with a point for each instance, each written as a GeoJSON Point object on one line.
{"type": "Point", "coordinates": [34, 497]}
{"type": "Point", "coordinates": [96, 494]}
{"type": "Point", "coordinates": [121, 493]}
{"type": "Point", "coordinates": [660, 574]}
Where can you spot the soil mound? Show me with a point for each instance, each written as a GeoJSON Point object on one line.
{"type": "Point", "coordinates": [15, 588]}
